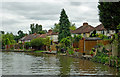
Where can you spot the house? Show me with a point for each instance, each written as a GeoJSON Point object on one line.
{"type": "Point", "coordinates": [84, 30]}
{"type": "Point", "coordinates": [101, 30]}
{"type": "Point", "coordinates": [28, 38]}
{"type": "Point", "coordinates": [53, 36]}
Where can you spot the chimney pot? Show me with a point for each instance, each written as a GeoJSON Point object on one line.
{"type": "Point", "coordinates": [85, 23]}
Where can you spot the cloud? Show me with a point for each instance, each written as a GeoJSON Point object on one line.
{"type": "Point", "coordinates": [19, 15]}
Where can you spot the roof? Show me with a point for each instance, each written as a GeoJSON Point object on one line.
{"type": "Point", "coordinates": [30, 37]}
{"type": "Point", "coordinates": [93, 38]}
{"type": "Point", "coordinates": [100, 27]}
{"type": "Point", "coordinates": [85, 28]}
{"type": "Point", "coordinates": [33, 36]}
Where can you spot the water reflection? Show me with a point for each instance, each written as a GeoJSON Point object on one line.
{"type": "Point", "coordinates": [46, 64]}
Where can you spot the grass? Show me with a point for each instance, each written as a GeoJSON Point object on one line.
{"type": "Point", "coordinates": [39, 51]}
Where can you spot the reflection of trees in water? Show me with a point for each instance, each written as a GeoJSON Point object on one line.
{"type": "Point", "coordinates": [89, 67]}
{"type": "Point", "coordinates": [65, 65]}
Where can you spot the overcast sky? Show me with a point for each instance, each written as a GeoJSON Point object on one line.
{"type": "Point", "coordinates": [19, 15]}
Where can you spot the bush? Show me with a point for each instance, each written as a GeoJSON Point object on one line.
{"type": "Point", "coordinates": [77, 38]}
{"type": "Point", "coordinates": [27, 44]}
{"type": "Point", "coordinates": [101, 57]}
{"type": "Point", "coordinates": [66, 41]}
{"type": "Point", "coordinates": [21, 47]}
{"type": "Point", "coordinates": [91, 52]}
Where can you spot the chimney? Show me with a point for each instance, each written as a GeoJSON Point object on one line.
{"type": "Point", "coordinates": [49, 31]}
{"type": "Point", "coordinates": [85, 23]}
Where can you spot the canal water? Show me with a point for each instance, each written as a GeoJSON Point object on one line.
{"type": "Point", "coordinates": [14, 63]}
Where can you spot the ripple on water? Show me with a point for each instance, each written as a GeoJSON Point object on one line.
{"type": "Point", "coordinates": [44, 64]}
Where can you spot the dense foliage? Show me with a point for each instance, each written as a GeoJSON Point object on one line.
{"type": "Point", "coordinates": [64, 29]}
{"type": "Point", "coordinates": [77, 38]}
{"type": "Point", "coordinates": [20, 35]}
{"type": "Point", "coordinates": [35, 28]}
{"type": "Point", "coordinates": [7, 39]}
{"type": "Point", "coordinates": [102, 36]}
{"type": "Point", "coordinates": [56, 27]}
{"type": "Point", "coordinates": [66, 41]}
{"type": "Point", "coordinates": [109, 14]}
{"type": "Point", "coordinates": [38, 43]}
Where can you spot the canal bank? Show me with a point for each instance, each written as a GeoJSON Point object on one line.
{"type": "Point", "coordinates": [28, 63]}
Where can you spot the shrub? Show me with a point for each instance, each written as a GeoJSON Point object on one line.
{"type": "Point", "coordinates": [70, 51]}
{"type": "Point", "coordinates": [66, 42]}
{"type": "Point", "coordinates": [77, 38]}
{"type": "Point", "coordinates": [91, 52]}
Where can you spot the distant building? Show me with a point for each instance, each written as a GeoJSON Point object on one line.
{"type": "Point", "coordinates": [53, 36]}
{"type": "Point", "coordinates": [28, 38]}
{"type": "Point", "coordinates": [84, 30]}
{"type": "Point", "coordinates": [101, 30]}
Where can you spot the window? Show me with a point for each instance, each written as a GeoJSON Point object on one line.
{"type": "Point", "coordinates": [84, 34]}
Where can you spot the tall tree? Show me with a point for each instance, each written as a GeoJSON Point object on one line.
{"type": "Point", "coordinates": [56, 27]}
{"type": "Point", "coordinates": [35, 28]}
{"type": "Point", "coordinates": [64, 23]}
{"type": "Point", "coordinates": [109, 14]}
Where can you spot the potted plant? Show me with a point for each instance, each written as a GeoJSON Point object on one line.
{"type": "Point", "coordinates": [91, 53]}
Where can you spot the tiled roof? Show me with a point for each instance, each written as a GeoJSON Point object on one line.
{"type": "Point", "coordinates": [30, 37]}
{"type": "Point", "coordinates": [100, 27]}
{"type": "Point", "coordinates": [33, 36]}
{"type": "Point", "coordinates": [83, 29]}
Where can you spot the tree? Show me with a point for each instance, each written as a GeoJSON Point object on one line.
{"type": "Point", "coordinates": [72, 26]}
{"type": "Point", "coordinates": [56, 27]}
{"type": "Point", "coordinates": [77, 38]}
{"type": "Point", "coordinates": [37, 43]}
{"type": "Point", "coordinates": [7, 39]}
{"type": "Point", "coordinates": [93, 34]}
{"type": "Point", "coordinates": [21, 34]}
{"type": "Point", "coordinates": [2, 32]}
{"type": "Point", "coordinates": [35, 28]}
{"type": "Point", "coordinates": [109, 14]}
{"type": "Point", "coordinates": [64, 23]}
{"type": "Point", "coordinates": [66, 41]}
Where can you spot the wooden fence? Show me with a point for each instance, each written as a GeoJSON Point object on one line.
{"type": "Point", "coordinates": [86, 45]}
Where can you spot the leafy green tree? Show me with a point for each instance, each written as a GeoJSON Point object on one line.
{"type": "Point", "coordinates": [35, 28]}
{"type": "Point", "coordinates": [109, 14]}
{"type": "Point", "coordinates": [72, 26]}
{"type": "Point", "coordinates": [2, 32]}
{"type": "Point", "coordinates": [66, 41]}
{"type": "Point", "coordinates": [93, 34]}
{"type": "Point", "coordinates": [27, 45]}
{"type": "Point", "coordinates": [77, 38]}
{"type": "Point", "coordinates": [38, 43]}
{"type": "Point", "coordinates": [56, 27]}
{"type": "Point", "coordinates": [20, 35]}
{"type": "Point", "coordinates": [64, 23]}
{"type": "Point", "coordinates": [7, 39]}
